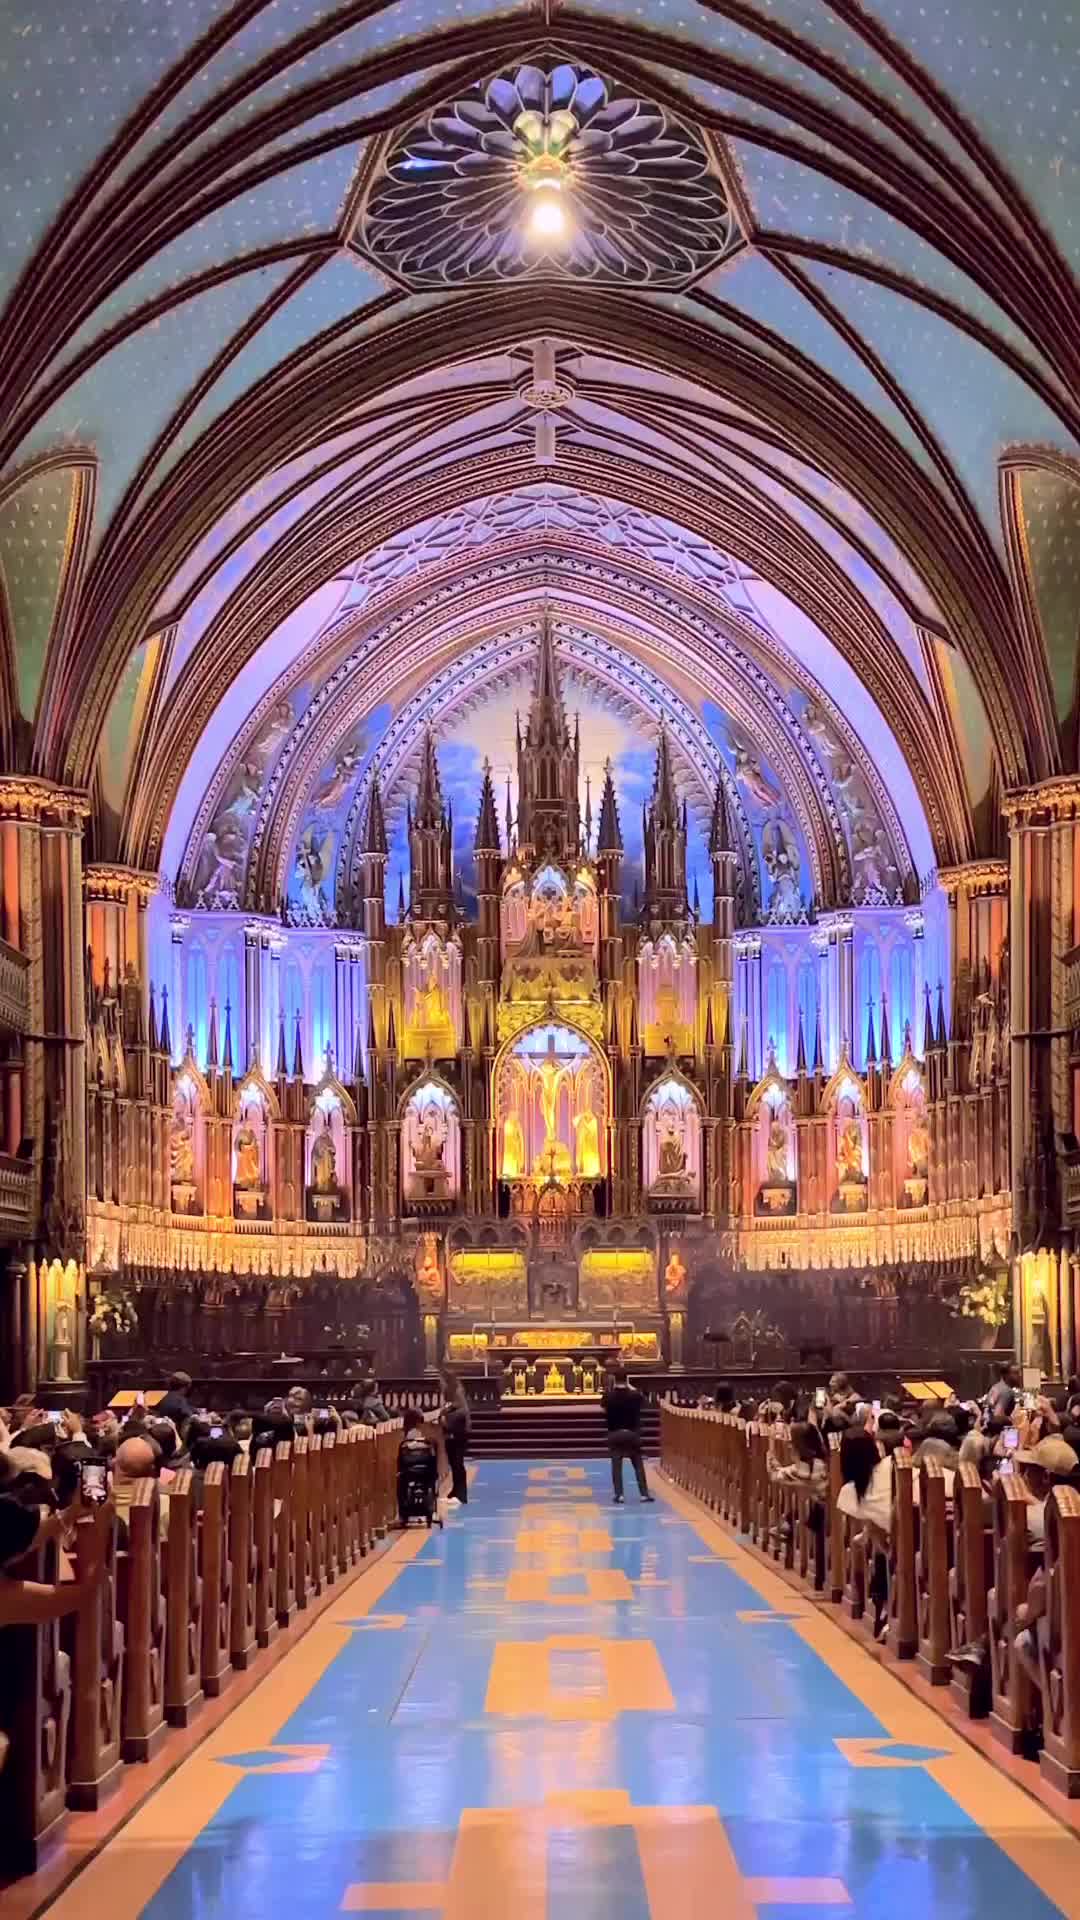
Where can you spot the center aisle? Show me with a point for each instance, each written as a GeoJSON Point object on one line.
{"type": "Point", "coordinates": [564, 1708]}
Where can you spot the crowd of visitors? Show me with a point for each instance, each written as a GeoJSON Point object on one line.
{"type": "Point", "coordinates": [1007, 1431]}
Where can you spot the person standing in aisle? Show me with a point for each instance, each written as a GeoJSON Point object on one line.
{"type": "Point", "coordinates": [622, 1411]}
{"type": "Point", "coordinates": [454, 1421]}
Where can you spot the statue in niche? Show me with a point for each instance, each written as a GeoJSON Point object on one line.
{"type": "Point", "coordinates": [670, 1149]}
{"type": "Point", "coordinates": [849, 1162]}
{"type": "Point", "coordinates": [248, 1158]}
{"type": "Point", "coordinates": [872, 860]}
{"type": "Point", "coordinates": [324, 1162]}
{"type": "Point", "coordinates": [675, 1277]}
{"type": "Point", "coordinates": [780, 856]}
{"type": "Point", "coordinates": [919, 1149]}
{"type": "Point", "coordinates": [428, 1277]}
{"type": "Point", "coordinates": [588, 1139]}
{"type": "Point", "coordinates": [181, 1151]}
{"type": "Point", "coordinates": [513, 1148]}
{"type": "Point", "coordinates": [429, 1141]}
{"type": "Point", "coordinates": [776, 1158]}
{"type": "Point", "coordinates": [431, 1013]}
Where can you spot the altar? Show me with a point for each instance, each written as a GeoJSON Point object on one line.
{"type": "Point", "coordinates": [552, 1362]}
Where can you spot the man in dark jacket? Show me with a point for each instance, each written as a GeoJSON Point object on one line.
{"type": "Point", "coordinates": [622, 1411]}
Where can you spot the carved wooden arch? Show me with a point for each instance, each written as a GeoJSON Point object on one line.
{"type": "Point", "coordinates": [887, 482]}
{"type": "Point", "coordinates": [725, 627]}
{"type": "Point", "coordinates": [1016, 461]}
{"type": "Point", "coordinates": [671, 1072]}
{"type": "Point", "coordinates": [854, 629]}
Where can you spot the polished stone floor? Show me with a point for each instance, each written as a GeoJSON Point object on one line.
{"type": "Point", "coordinates": [563, 1708]}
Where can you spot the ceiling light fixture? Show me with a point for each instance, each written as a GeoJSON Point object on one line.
{"type": "Point", "coordinates": [545, 169]}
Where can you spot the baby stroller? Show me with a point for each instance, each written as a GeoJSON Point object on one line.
{"type": "Point", "coordinates": [418, 1481]}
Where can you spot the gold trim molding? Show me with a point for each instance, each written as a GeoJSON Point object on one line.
{"type": "Point", "coordinates": [978, 877]}
{"type": "Point", "coordinates": [1049, 803]}
{"type": "Point", "coordinates": [26, 797]}
{"type": "Point", "coordinates": [105, 881]}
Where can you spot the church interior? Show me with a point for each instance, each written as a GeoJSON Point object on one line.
{"type": "Point", "coordinates": [540, 763]}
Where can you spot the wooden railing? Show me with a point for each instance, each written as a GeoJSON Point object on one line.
{"type": "Point", "coordinates": [963, 1574]}
{"type": "Point", "coordinates": [188, 1594]}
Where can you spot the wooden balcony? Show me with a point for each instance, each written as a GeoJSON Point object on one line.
{"type": "Point", "coordinates": [14, 989]}
{"type": "Point", "coordinates": [16, 1198]}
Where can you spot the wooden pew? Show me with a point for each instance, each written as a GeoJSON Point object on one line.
{"type": "Point", "coordinates": [243, 1643]}
{"type": "Point", "coordinates": [1059, 1644]}
{"type": "Point", "coordinates": [1014, 1714]}
{"type": "Point", "coordinates": [835, 1532]}
{"type": "Point", "coordinates": [264, 1548]}
{"type": "Point", "coordinates": [142, 1607]}
{"type": "Point", "coordinates": [183, 1606]}
{"type": "Point", "coordinates": [301, 1523]}
{"type": "Point", "coordinates": [970, 1580]}
{"type": "Point", "coordinates": [35, 1708]}
{"type": "Point", "coordinates": [95, 1638]}
{"type": "Point", "coordinates": [933, 1567]}
{"type": "Point", "coordinates": [212, 1539]}
{"type": "Point", "coordinates": [285, 1532]}
{"type": "Point", "coordinates": [903, 1607]}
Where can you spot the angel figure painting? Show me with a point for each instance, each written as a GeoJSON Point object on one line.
{"type": "Point", "coordinates": [313, 875]}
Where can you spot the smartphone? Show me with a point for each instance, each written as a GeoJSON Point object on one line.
{"type": "Point", "coordinates": [875, 1406]}
{"type": "Point", "coordinates": [322, 1413]}
{"type": "Point", "coordinates": [92, 1479]}
{"type": "Point", "coordinates": [1031, 1401]}
{"type": "Point", "coordinates": [1011, 1437]}
{"type": "Point", "coordinates": [821, 1398]}
{"type": "Point", "coordinates": [216, 1433]}
{"type": "Point", "coordinates": [56, 1418]}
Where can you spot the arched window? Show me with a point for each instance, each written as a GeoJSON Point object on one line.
{"type": "Point", "coordinates": [902, 1008]}
{"type": "Point", "coordinates": [776, 1012]}
{"type": "Point", "coordinates": [807, 997]}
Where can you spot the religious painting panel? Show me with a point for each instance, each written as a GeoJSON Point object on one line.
{"type": "Point", "coordinates": [487, 1283]}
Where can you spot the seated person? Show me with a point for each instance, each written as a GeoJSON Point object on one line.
{"type": "Point", "coordinates": [418, 1466]}
{"type": "Point", "coordinates": [1048, 1463]}
{"type": "Point", "coordinates": [136, 1459]}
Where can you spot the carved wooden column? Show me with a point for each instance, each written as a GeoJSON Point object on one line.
{"type": "Point", "coordinates": [1044, 922]}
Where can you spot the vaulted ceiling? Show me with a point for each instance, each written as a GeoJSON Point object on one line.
{"type": "Point", "coordinates": [269, 492]}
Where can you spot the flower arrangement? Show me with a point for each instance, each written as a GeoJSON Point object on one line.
{"type": "Point", "coordinates": [987, 1298]}
{"type": "Point", "coordinates": [113, 1313]}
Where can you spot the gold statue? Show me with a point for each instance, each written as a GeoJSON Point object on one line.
{"type": "Point", "coordinates": [431, 1013]}
{"type": "Point", "coordinates": [513, 1153]}
{"type": "Point", "coordinates": [588, 1140]}
{"type": "Point", "coordinates": [849, 1163]}
{"type": "Point", "coordinates": [324, 1162]}
{"type": "Point", "coordinates": [428, 1277]}
{"type": "Point", "coordinates": [248, 1158]}
{"type": "Point", "coordinates": [919, 1149]}
{"type": "Point", "coordinates": [675, 1277]}
{"type": "Point", "coordinates": [553, 1380]}
{"type": "Point", "coordinates": [181, 1152]}
{"type": "Point", "coordinates": [554, 1156]}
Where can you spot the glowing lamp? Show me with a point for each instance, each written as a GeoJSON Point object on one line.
{"type": "Point", "coordinates": [547, 213]}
